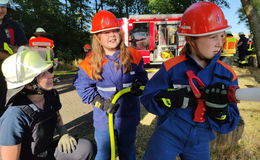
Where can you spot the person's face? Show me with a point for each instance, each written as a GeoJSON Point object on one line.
{"type": "Point", "coordinates": [110, 40]}
{"type": "Point", "coordinates": [206, 47]}
{"type": "Point", "coordinates": [3, 12]}
{"type": "Point", "coordinates": [45, 80]}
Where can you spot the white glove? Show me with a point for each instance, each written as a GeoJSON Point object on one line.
{"type": "Point", "coordinates": [67, 144]}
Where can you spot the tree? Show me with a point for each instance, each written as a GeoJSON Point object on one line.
{"type": "Point", "coordinates": [123, 8]}
{"type": "Point", "coordinates": [252, 12]}
{"type": "Point", "coordinates": [66, 23]}
{"type": "Point", "coordinates": [176, 6]}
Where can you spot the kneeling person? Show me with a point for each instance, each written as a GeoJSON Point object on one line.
{"type": "Point", "coordinates": [28, 125]}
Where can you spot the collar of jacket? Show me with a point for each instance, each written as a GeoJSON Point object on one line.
{"type": "Point", "coordinates": [114, 57]}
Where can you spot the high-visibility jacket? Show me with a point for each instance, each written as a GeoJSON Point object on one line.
{"type": "Point", "coordinates": [229, 48]}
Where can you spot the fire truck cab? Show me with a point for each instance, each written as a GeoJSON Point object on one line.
{"type": "Point", "coordinates": [154, 36]}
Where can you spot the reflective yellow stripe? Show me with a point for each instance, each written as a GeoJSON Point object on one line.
{"type": "Point", "coordinates": [97, 104]}
{"type": "Point", "coordinates": [223, 117]}
{"type": "Point", "coordinates": [250, 47]}
{"type": "Point", "coordinates": [8, 49]}
{"type": "Point", "coordinates": [167, 102]}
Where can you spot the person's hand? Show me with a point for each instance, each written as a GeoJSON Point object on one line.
{"type": "Point", "coordinates": [180, 98]}
{"type": "Point", "coordinates": [135, 89]}
{"type": "Point", "coordinates": [105, 104]}
{"type": "Point", "coordinates": [67, 144]}
{"type": "Point", "coordinates": [216, 100]}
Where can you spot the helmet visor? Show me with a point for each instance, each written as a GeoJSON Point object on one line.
{"type": "Point", "coordinates": [30, 64]}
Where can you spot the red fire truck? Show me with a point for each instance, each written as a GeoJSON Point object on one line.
{"type": "Point", "coordinates": [154, 36]}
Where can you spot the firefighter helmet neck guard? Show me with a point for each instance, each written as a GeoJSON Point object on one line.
{"type": "Point", "coordinates": [104, 21]}
{"type": "Point", "coordinates": [202, 19]}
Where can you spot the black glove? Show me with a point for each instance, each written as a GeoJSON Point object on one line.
{"type": "Point", "coordinates": [135, 89]}
{"type": "Point", "coordinates": [105, 104]}
{"type": "Point", "coordinates": [180, 98]}
{"type": "Point", "coordinates": [216, 100]}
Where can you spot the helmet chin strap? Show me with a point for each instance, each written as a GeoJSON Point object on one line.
{"type": "Point", "coordinates": [35, 89]}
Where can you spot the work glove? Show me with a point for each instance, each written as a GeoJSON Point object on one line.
{"type": "Point", "coordinates": [179, 98]}
{"type": "Point", "coordinates": [67, 143]}
{"type": "Point", "coordinates": [135, 89]}
{"type": "Point", "coordinates": [216, 100]}
{"type": "Point", "coordinates": [105, 104]}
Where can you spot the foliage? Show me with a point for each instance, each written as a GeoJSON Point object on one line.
{"type": "Point", "coordinates": [177, 6]}
{"type": "Point", "coordinates": [68, 21]}
{"type": "Point", "coordinates": [65, 23]}
{"type": "Point", "coordinates": [242, 15]}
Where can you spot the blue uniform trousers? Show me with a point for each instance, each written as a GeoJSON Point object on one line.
{"type": "Point", "coordinates": [175, 136]}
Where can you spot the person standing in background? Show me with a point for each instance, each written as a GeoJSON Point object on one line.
{"type": "Point", "coordinates": [41, 40]}
{"type": "Point", "coordinates": [229, 48]}
{"type": "Point", "coordinates": [11, 37]}
{"type": "Point", "coordinates": [242, 48]}
{"type": "Point", "coordinates": [87, 49]}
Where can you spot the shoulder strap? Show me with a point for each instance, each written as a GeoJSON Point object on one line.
{"type": "Point", "coordinates": [30, 112]}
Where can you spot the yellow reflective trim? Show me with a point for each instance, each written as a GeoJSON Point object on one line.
{"type": "Point", "coordinates": [8, 49]}
{"type": "Point", "coordinates": [223, 117]}
{"type": "Point", "coordinates": [97, 104]}
{"type": "Point", "coordinates": [167, 102]}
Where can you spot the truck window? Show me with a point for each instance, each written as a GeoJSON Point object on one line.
{"type": "Point", "coordinates": [139, 36]}
{"type": "Point", "coordinates": [167, 34]}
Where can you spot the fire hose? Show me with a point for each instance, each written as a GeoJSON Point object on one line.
{"type": "Point", "coordinates": [111, 120]}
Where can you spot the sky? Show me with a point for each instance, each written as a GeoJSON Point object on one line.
{"type": "Point", "coordinates": [232, 17]}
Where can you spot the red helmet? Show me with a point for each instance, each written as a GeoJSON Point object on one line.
{"type": "Point", "coordinates": [103, 21]}
{"type": "Point", "coordinates": [201, 19]}
{"type": "Point", "coordinates": [87, 46]}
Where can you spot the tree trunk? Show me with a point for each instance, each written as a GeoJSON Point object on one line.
{"type": "Point", "coordinates": [225, 141]}
{"type": "Point", "coordinates": [253, 16]}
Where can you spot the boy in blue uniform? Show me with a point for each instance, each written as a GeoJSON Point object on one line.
{"type": "Point", "coordinates": [178, 133]}
{"type": "Point", "coordinates": [111, 67]}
